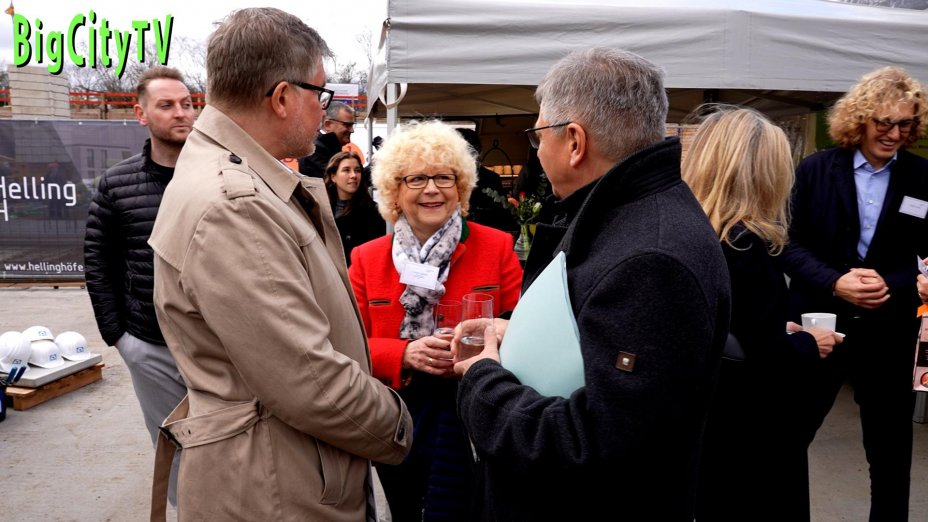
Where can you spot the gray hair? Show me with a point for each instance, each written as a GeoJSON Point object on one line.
{"type": "Point", "coordinates": [331, 113]}
{"type": "Point", "coordinates": [617, 96]}
{"type": "Point", "coordinates": [256, 47]}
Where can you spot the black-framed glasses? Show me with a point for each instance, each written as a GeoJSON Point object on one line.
{"type": "Point", "coordinates": [886, 125]}
{"type": "Point", "coordinates": [532, 134]}
{"type": "Point", "coordinates": [418, 181]}
{"type": "Point", "coordinates": [325, 95]}
{"type": "Point", "coordinates": [349, 124]}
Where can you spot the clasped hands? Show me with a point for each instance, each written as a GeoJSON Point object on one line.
{"type": "Point", "coordinates": [863, 287]}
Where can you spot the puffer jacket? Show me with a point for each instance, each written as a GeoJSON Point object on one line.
{"type": "Point", "coordinates": [118, 263]}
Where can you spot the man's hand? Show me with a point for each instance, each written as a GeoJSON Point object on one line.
{"type": "Point", "coordinates": [862, 287]}
{"type": "Point", "coordinates": [921, 284]}
{"type": "Point", "coordinates": [490, 350]}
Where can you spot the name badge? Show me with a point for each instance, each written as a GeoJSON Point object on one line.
{"type": "Point", "coordinates": [424, 276]}
{"type": "Point", "coordinates": [914, 207]}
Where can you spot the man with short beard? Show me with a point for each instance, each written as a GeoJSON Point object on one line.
{"type": "Point", "coordinates": [283, 416]}
{"type": "Point", "coordinates": [117, 258]}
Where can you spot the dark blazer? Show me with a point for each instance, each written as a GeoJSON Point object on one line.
{"type": "Point", "coordinates": [648, 283]}
{"type": "Point", "coordinates": [825, 230]}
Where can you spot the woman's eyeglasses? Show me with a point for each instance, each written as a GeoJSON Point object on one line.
{"type": "Point", "coordinates": [418, 181]}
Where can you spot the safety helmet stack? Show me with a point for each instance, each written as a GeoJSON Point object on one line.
{"type": "Point", "coordinates": [15, 351]}
{"type": "Point", "coordinates": [45, 352]}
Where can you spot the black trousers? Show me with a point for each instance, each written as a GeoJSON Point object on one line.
{"type": "Point", "coordinates": [878, 361]}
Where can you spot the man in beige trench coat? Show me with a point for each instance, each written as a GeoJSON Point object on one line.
{"type": "Point", "coordinates": [282, 416]}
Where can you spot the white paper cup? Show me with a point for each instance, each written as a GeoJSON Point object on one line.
{"type": "Point", "coordinates": [819, 320]}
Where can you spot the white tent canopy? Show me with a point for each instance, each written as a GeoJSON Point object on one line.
{"type": "Point", "coordinates": [484, 57]}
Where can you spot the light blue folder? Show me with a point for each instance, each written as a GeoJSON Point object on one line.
{"type": "Point", "coordinates": [542, 342]}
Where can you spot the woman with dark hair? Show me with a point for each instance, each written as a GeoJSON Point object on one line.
{"type": "Point", "coordinates": [355, 213]}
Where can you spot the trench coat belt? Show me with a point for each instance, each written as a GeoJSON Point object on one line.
{"type": "Point", "coordinates": [181, 431]}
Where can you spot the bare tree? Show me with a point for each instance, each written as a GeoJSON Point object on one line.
{"type": "Point", "coordinates": [365, 41]}
{"type": "Point", "coordinates": [186, 55]}
{"type": "Point", "coordinates": [345, 73]}
{"type": "Point", "coordinates": [189, 57]}
{"type": "Point", "coordinates": [4, 75]}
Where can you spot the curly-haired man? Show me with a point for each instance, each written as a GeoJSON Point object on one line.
{"type": "Point", "coordinates": [859, 220]}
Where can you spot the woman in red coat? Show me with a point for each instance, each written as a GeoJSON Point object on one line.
{"type": "Point", "coordinates": [424, 176]}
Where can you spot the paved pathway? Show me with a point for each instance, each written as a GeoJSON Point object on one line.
{"type": "Point", "coordinates": [86, 456]}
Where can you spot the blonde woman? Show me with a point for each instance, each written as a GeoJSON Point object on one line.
{"type": "Point", "coordinates": [753, 465]}
{"type": "Point", "coordinates": [424, 175]}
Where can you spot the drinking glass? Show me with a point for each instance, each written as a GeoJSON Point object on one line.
{"type": "Point", "coordinates": [447, 315]}
{"type": "Point", "coordinates": [477, 315]}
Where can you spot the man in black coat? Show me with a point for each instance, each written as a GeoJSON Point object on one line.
{"type": "Point", "coordinates": [650, 295]}
{"type": "Point", "coordinates": [859, 222]}
{"type": "Point", "coordinates": [118, 261]}
{"type": "Point", "coordinates": [336, 133]}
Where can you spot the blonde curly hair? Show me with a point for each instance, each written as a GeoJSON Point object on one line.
{"type": "Point", "coordinates": [422, 143]}
{"type": "Point", "coordinates": [875, 90]}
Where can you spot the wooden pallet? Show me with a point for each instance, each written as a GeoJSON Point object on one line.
{"type": "Point", "coordinates": [25, 398]}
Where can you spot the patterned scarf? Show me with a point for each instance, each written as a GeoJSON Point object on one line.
{"type": "Point", "coordinates": [418, 302]}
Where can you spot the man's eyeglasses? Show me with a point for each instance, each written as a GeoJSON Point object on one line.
{"type": "Point", "coordinates": [349, 124]}
{"type": "Point", "coordinates": [886, 125]}
{"type": "Point", "coordinates": [325, 95]}
{"type": "Point", "coordinates": [418, 181]}
{"type": "Point", "coordinates": [532, 134]}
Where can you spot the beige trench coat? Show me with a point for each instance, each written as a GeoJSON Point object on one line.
{"type": "Point", "coordinates": [253, 298]}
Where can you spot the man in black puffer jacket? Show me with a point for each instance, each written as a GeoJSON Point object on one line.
{"type": "Point", "coordinates": [118, 261]}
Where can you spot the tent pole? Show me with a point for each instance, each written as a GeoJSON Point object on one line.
{"type": "Point", "coordinates": [392, 120]}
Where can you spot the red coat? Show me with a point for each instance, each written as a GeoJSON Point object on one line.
{"type": "Point", "coordinates": [483, 262]}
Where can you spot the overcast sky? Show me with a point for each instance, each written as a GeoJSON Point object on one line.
{"type": "Point", "coordinates": [338, 23]}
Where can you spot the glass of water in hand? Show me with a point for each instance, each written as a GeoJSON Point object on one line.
{"type": "Point", "coordinates": [477, 315]}
{"type": "Point", "coordinates": [447, 315]}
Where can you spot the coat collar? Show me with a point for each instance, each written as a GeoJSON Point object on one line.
{"type": "Point", "coordinates": [221, 129]}
{"type": "Point", "coordinates": [648, 171]}
{"type": "Point", "coordinates": [281, 180]}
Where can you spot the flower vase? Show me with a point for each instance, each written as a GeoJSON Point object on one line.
{"type": "Point", "coordinates": [523, 242]}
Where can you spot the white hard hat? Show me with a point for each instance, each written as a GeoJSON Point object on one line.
{"type": "Point", "coordinates": [38, 333]}
{"type": "Point", "coordinates": [73, 346]}
{"type": "Point", "coordinates": [46, 354]}
{"type": "Point", "coordinates": [15, 351]}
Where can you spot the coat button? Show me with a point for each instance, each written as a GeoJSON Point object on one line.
{"type": "Point", "coordinates": [235, 159]}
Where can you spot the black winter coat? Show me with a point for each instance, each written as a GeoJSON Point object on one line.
{"type": "Point", "coordinates": [648, 284]}
{"type": "Point", "coordinates": [361, 225]}
{"type": "Point", "coordinates": [327, 145]}
{"type": "Point", "coordinates": [118, 263]}
{"type": "Point", "coordinates": [753, 453]}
